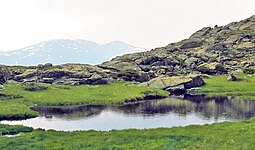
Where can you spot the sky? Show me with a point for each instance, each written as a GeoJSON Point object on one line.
{"type": "Point", "coordinates": [143, 23]}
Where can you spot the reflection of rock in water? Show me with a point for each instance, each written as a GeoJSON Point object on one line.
{"type": "Point", "coordinates": [224, 106]}
{"type": "Point", "coordinates": [206, 107]}
{"type": "Point", "coordinates": [158, 107]}
{"type": "Point", "coordinates": [74, 112]}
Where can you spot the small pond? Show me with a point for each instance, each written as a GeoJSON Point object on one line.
{"type": "Point", "coordinates": [168, 112]}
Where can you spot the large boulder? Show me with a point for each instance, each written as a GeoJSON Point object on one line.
{"type": "Point", "coordinates": [234, 78]}
{"type": "Point", "coordinates": [95, 79]}
{"type": "Point", "coordinates": [196, 81]}
{"type": "Point", "coordinates": [217, 46]}
{"type": "Point", "coordinates": [211, 68]}
{"type": "Point", "coordinates": [48, 65]}
{"type": "Point", "coordinates": [133, 75]}
{"type": "Point", "coordinates": [191, 44]}
{"type": "Point", "coordinates": [58, 73]}
{"type": "Point", "coordinates": [175, 84]}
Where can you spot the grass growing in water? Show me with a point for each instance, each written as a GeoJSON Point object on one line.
{"type": "Point", "coordinates": [219, 85]}
{"type": "Point", "coordinates": [109, 94]}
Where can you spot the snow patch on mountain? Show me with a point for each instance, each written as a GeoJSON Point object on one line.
{"type": "Point", "coordinates": [67, 51]}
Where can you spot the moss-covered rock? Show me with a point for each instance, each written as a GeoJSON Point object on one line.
{"type": "Point", "coordinates": [211, 68]}
{"type": "Point", "coordinates": [175, 84]}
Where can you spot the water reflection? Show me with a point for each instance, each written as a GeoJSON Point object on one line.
{"type": "Point", "coordinates": [166, 112]}
{"type": "Point", "coordinates": [72, 113]}
{"type": "Point", "coordinates": [205, 107]}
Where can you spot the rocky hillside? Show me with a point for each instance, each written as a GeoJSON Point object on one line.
{"type": "Point", "coordinates": [217, 50]}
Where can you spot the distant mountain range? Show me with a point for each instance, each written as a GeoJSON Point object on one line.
{"type": "Point", "coordinates": [67, 51]}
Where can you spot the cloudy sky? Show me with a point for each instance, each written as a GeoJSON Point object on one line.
{"type": "Point", "coordinates": [144, 23]}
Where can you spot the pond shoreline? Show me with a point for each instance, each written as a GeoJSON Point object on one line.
{"type": "Point", "coordinates": [168, 112]}
{"type": "Point", "coordinates": [127, 101]}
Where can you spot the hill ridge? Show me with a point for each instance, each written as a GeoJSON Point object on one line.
{"type": "Point", "coordinates": [59, 51]}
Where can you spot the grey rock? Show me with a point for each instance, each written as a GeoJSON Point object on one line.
{"type": "Point", "coordinates": [218, 46]}
{"type": "Point", "coordinates": [144, 77]}
{"type": "Point", "coordinates": [47, 80]}
{"type": "Point", "coordinates": [169, 51]}
{"type": "Point", "coordinates": [234, 78]}
{"type": "Point", "coordinates": [191, 44]}
{"type": "Point", "coordinates": [175, 83]}
{"type": "Point", "coordinates": [237, 71]}
{"type": "Point", "coordinates": [211, 68]}
{"type": "Point", "coordinates": [177, 90]}
{"type": "Point", "coordinates": [197, 81]}
{"type": "Point", "coordinates": [47, 65]}
{"type": "Point", "coordinates": [191, 60]}
{"type": "Point", "coordinates": [40, 66]}
{"type": "Point", "coordinates": [53, 74]}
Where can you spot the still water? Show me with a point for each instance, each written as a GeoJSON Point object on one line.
{"type": "Point", "coordinates": [168, 112]}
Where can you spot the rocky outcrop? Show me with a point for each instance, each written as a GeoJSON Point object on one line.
{"type": "Point", "coordinates": [68, 74]}
{"type": "Point", "coordinates": [175, 84]}
{"type": "Point", "coordinates": [218, 50]}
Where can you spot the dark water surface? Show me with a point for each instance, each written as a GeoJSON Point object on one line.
{"type": "Point", "coordinates": [166, 112]}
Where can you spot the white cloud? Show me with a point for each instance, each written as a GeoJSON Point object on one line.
{"type": "Point", "coordinates": [145, 23]}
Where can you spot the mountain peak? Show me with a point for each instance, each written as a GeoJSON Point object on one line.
{"type": "Point", "coordinates": [59, 51]}
{"type": "Point", "coordinates": [117, 43]}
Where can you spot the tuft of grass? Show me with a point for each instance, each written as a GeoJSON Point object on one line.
{"type": "Point", "coordinates": [13, 129]}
